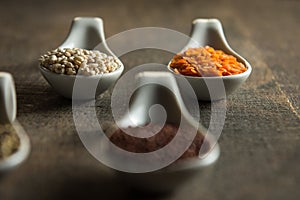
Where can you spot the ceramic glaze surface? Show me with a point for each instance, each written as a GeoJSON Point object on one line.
{"type": "Point", "coordinates": [8, 105]}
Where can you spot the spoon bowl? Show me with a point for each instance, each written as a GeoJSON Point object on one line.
{"type": "Point", "coordinates": [18, 157]}
{"type": "Point", "coordinates": [85, 33]}
{"type": "Point", "coordinates": [210, 32]}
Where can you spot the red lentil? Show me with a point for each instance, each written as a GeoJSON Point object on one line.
{"type": "Point", "coordinates": [206, 61]}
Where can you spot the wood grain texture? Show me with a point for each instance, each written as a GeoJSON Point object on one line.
{"type": "Point", "coordinates": [260, 143]}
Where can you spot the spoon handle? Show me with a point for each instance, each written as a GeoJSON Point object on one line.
{"type": "Point", "coordinates": [8, 103]}
{"type": "Point", "coordinates": [207, 32]}
{"type": "Point", "coordinates": [86, 33]}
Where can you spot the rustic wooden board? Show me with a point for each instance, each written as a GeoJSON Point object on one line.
{"type": "Point", "coordinates": [261, 138]}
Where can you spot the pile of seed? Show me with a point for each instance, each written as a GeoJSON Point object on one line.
{"type": "Point", "coordinates": [72, 61]}
{"type": "Point", "coordinates": [9, 141]}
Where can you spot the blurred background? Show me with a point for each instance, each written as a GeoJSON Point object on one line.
{"type": "Point", "coordinates": [260, 142]}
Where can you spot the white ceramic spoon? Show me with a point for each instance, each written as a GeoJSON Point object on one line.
{"type": "Point", "coordinates": [157, 90]}
{"type": "Point", "coordinates": [8, 110]}
{"type": "Point", "coordinates": [85, 33]}
{"type": "Point", "coordinates": [210, 32]}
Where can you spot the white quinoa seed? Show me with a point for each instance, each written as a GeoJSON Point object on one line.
{"type": "Point", "coordinates": [72, 61]}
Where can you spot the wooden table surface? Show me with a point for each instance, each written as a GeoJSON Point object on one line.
{"type": "Point", "coordinates": [260, 142]}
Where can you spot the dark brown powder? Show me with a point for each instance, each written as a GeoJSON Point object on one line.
{"type": "Point", "coordinates": [153, 143]}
